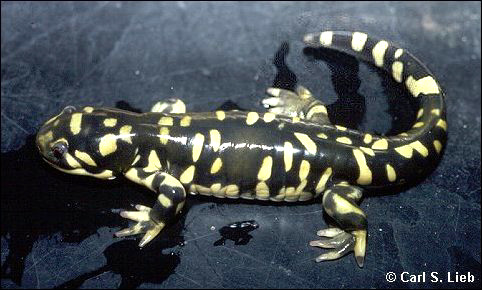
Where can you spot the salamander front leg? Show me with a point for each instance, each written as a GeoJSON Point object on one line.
{"type": "Point", "coordinates": [169, 203]}
{"type": "Point", "coordinates": [340, 202]}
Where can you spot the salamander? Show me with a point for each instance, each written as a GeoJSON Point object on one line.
{"type": "Point", "coordinates": [291, 152]}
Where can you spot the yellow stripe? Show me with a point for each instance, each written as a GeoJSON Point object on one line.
{"type": "Point", "coordinates": [85, 157]}
{"type": "Point", "coordinates": [326, 38]}
{"type": "Point", "coordinates": [358, 41]}
{"type": "Point", "coordinates": [320, 186]}
{"type": "Point", "coordinates": [264, 172]}
{"type": "Point", "coordinates": [378, 52]}
{"type": "Point", "coordinates": [365, 176]}
{"type": "Point", "coordinates": [344, 140]}
{"type": "Point", "coordinates": [391, 174]}
{"type": "Point", "coordinates": [304, 170]}
{"type": "Point", "coordinates": [198, 142]}
{"type": "Point", "coordinates": [75, 123]}
{"type": "Point", "coordinates": [217, 164]}
{"type": "Point", "coordinates": [188, 175]}
{"type": "Point", "coordinates": [215, 138]}
{"type": "Point", "coordinates": [306, 142]}
{"type": "Point", "coordinates": [288, 155]}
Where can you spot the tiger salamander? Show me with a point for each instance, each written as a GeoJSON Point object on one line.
{"type": "Point", "coordinates": [290, 153]}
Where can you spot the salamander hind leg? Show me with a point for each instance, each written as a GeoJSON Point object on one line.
{"type": "Point", "coordinates": [340, 202]}
{"type": "Point", "coordinates": [170, 201]}
{"type": "Point", "coordinates": [172, 106]}
{"type": "Point", "coordinates": [299, 103]}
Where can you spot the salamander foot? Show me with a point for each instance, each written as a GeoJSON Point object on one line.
{"type": "Point", "coordinates": [144, 225]}
{"type": "Point", "coordinates": [342, 243]}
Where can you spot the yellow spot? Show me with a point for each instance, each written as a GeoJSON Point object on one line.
{"type": "Point", "coordinates": [391, 174]}
{"type": "Point", "coordinates": [71, 161]}
{"type": "Point", "coordinates": [262, 190]}
{"type": "Point", "coordinates": [420, 148]}
{"type": "Point", "coordinates": [178, 107]}
{"type": "Point", "coordinates": [265, 169]}
{"type": "Point", "coordinates": [358, 41]}
{"type": "Point", "coordinates": [398, 53]}
{"type": "Point", "coordinates": [125, 133]}
{"type": "Point", "coordinates": [365, 177]}
{"type": "Point", "coordinates": [268, 117]}
{"type": "Point", "coordinates": [404, 134]}
{"type": "Point", "coordinates": [417, 125]}
{"type": "Point", "coordinates": [306, 142]}
{"type": "Point", "coordinates": [344, 140]}
{"type": "Point", "coordinates": [164, 135]}
{"type": "Point", "coordinates": [288, 155]}
{"type": "Point", "coordinates": [315, 110]}
{"type": "Point", "coordinates": [185, 121]}
{"type": "Point", "coordinates": [215, 138]}
{"type": "Point", "coordinates": [85, 157]}
{"type": "Point", "coordinates": [216, 189]}
{"type": "Point", "coordinates": [304, 170]}
{"type": "Point", "coordinates": [367, 139]}
{"type": "Point", "coordinates": [397, 71]}
{"type": "Point", "coordinates": [436, 112]}
{"type": "Point", "coordinates": [164, 200]}
{"type": "Point", "coordinates": [197, 147]}
{"type": "Point", "coordinates": [166, 121]}
{"type": "Point", "coordinates": [251, 118]}
{"type": "Point", "coordinates": [326, 38]}
{"type": "Point", "coordinates": [217, 164]}
{"type": "Point", "coordinates": [437, 145]}
{"type": "Point", "coordinates": [341, 128]}
{"type": "Point", "coordinates": [88, 109]}
{"type": "Point", "coordinates": [426, 85]}
{"type": "Point", "coordinates": [295, 119]}
{"type": "Point", "coordinates": [320, 186]}
{"type": "Point", "coordinates": [380, 144]}
{"type": "Point", "coordinates": [405, 150]}
{"type": "Point", "coordinates": [378, 52]}
{"type": "Point", "coordinates": [107, 144]}
{"type": "Point", "coordinates": [188, 175]}
{"type": "Point", "coordinates": [322, 136]}
{"type": "Point", "coordinates": [220, 115]}
{"type": "Point", "coordinates": [154, 162]}
{"type": "Point", "coordinates": [290, 194]}
{"type": "Point", "coordinates": [110, 122]}
{"type": "Point", "coordinates": [75, 123]}
{"type": "Point", "coordinates": [419, 113]}
{"type": "Point", "coordinates": [232, 190]}
{"type": "Point", "coordinates": [367, 151]}
{"type": "Point", "coordinates": [442, 124]}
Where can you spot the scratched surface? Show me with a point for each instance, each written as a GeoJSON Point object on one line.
{"type": "Point", "coordinates": [57, 230]}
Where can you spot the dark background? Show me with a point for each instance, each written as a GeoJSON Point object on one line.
{"type": "Point", "coordinates": [57, 229]}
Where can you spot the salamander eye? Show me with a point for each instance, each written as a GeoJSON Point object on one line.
{"type": "Point", "coordinates": [59, 149]}
{"type": "Point", "coordinates": [69, 109]}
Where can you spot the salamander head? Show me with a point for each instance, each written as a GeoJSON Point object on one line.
{"type": "Point", "coordinates": [69, 142]}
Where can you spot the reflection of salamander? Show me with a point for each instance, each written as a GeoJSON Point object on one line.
{"type": "Point", "coordinates": [291, 153]}
{"type": "Point", "coordinates": [237, 232]}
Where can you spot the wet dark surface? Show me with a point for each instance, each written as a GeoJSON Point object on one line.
{"type": "Point", "coordinates": [57, 229]}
